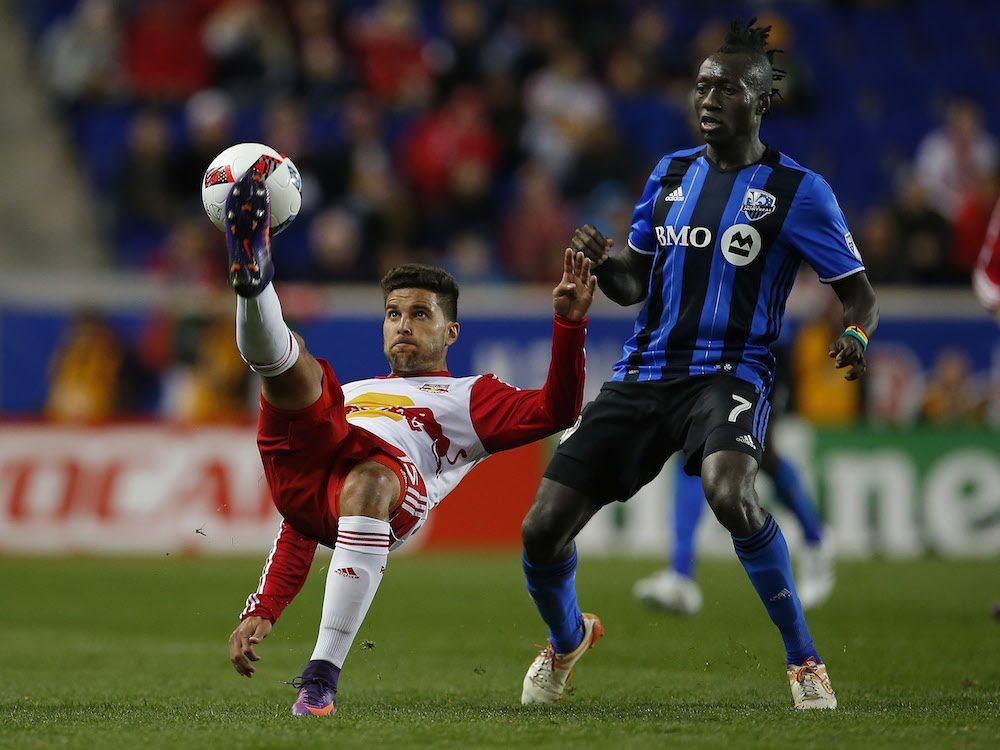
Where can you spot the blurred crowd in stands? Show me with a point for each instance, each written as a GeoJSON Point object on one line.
{"type": "Point", "coordinates": [477, 134]}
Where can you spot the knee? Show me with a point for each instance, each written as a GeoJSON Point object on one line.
{"type": "Point", "coordinates": [370, 489]}
{"type": "Point", "coordinates": [540, 530]}
{"type": "Point", "coordinates": [730, 494]}
{"type": "Point", "coordinates": [536, 532]}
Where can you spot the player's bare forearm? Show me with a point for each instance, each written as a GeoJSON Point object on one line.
{"type": "Point", "coordinates": [623, 277]}
{"type": "Point", "coordinates": [859, 301]}
{"type": "Point", "coordinates": [860, 311]}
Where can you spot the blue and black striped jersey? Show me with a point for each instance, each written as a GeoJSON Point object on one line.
{"type": "Point", "coordinates": [726, 246]}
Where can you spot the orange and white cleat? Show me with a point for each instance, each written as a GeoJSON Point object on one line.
{"type": "Point", "coordinates": [811, 686]}
{"type": "Point", "coordinates": [549, 672]}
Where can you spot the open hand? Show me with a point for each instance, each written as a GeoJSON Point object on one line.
{"type": "Point", "coordinates": [248, 633]}
{"type": "Point", "coordinates": [574, 293]}
{"type": "Point", "coordinates": [848, 352]}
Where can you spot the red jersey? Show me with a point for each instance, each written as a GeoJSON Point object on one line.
{"type": "Point", "coordinates": [986, 276]}
{"type": "Point", "coordinates": [439, 426]}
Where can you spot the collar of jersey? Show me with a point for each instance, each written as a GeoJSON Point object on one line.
{"type": "Point", "coordinates": [437, 374]}
{"type": "Point", "coordinates": [769, 157]}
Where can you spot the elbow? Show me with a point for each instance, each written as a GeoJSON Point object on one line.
{"type": "Point", "coordinates": [571, 416]}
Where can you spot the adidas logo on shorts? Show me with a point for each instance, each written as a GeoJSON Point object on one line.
{"type": "Point", "coordinates": [747, 440]}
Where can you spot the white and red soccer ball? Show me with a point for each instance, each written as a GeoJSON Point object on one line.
{"type": "Point", "coordinates": [282, 179]}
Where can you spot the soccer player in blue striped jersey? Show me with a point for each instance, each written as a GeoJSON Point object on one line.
{"type": "Point", "coordinates": [717, 238]}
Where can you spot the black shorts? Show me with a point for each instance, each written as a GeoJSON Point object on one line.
{"type": "Point", "coordinates": [626, 434]}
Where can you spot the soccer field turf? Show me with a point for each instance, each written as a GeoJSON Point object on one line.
{"type": "Point", "coordinates": [132, 654]}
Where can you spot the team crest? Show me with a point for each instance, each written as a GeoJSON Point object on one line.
{"type": "Point", "coordinates": [218, 176]}
{"type": "Point", "coordinates": [757, 204]}
{"type": "Point", "coordinates": [435, 387]}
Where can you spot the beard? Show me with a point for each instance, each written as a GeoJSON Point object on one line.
{"type": "Point", "coordinates": [414, 360]}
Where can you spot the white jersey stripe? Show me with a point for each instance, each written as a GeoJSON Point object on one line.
{"type": "Point", "coordinates": [253, 600]}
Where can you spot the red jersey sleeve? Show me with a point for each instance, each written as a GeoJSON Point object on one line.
{"type": "Point", "coordinates": [986, 276]}
{"type": "Point", "coordinates": [505, 417]}
{"type": "Point", "coordinates": [285, 571]}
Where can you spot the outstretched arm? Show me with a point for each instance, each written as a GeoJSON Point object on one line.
{"type": "Point", "coordinates": [860, 312]}
{"type": "Point", "coordinates": [624, 278]}
{"type": "Point", "coordinates": [285, 572]}
{"type": "Point", "coordinates": [506, 417]}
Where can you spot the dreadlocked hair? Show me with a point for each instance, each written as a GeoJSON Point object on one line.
{"type": "Point", "coordinates": [752, 40]}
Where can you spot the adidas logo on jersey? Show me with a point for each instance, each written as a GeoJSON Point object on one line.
{"type": "Point", "coordinates": [346, 572]}
{"type": "Point", "coordinates": [677, 194]}
{"type": "Point", "coordinates": [747, 440]}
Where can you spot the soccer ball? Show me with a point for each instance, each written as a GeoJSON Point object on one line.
{"type": "Point", "coordinates": [281, 177]}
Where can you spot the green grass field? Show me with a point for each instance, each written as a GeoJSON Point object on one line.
{"type": "Point", "coordinates": [132, 653]}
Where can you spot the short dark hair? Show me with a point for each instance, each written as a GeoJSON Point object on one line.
{"type": "Point", "coordinates": [431, 278]}
{"type": "Point", "coordinates": [751, 41]}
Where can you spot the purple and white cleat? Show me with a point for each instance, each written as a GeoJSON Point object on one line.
{"type": "Point", "coordinates": [248, 234]}
{"type": "Point", "coordinates": [317, 690]}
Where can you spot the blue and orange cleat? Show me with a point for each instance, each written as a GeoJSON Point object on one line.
{"type": "Point", "coordinates": [317, 690]}
{"type": "Point", "coordinates": [248, 234]}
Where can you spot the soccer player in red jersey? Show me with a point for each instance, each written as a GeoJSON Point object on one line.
{"type": "Point", "coordinates": [986, 276]}
{"type": "Point", "coordinates": [358, 466]}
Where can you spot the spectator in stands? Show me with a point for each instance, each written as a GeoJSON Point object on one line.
{"type": "Point", "coordinates": [443, 141]}
{"type": "Point", "coordinates": [92, 375]}
{"type": "Point", "coordinates": [460, 55]}
{"type": "Point", "coordinates": [822, 396]}
{"type": "Point", "coordinates": [80, 55]}
{"type": "Point", "coordinates": [208, 120]}
{"type": "Point", "coordinates": [389, 47]}
{"type": "Point", "coordinates": [164, 55]}
{"type": "Point", "coordinates": [536, 226]}
{"type": "Point", "coordinates": [145, 203]}
{"type": "Point", "coordinates": [952, 159]}
{"type": "Point", "coordinates": [210, 382]}
{"type": "Point", "coordinates": [951, 396]}
{"type": "Point", "coordinates": [878, 237]}
{"type": "Point", "coordinates": [251, 48]}
{"type": "Point", "coordinates": [564, 105]}
{"type": "Point", "coordinates": [797, 88]}
{"type": "Point", "coordinates": [470, 259]}
{"type": "Point", "coordinates": [336, 249]}
{"type": "Point", "coordinates": [189, 255]}
{"type": "Point", "coordinates": [324, 70]}
{"type": "Point", "coordinates": [922, 235]}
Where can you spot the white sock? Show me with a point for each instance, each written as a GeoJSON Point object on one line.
{"type": "Point", "coordinates": [264, 341]}
{"type": "Point", "coordinates": [355, 573]}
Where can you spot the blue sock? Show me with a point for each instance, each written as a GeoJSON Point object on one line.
{"type": "Point", "coordinates": [689, 502]}
{"type": "Point", "coordinates": [791, 493]}
{"type": "Point", "coordinates": [765, 557]}
{"type": "Point", "coordinates": [553, 587]}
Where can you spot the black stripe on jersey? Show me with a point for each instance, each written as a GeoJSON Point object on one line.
{"type": "Point", "coordinates": [707, 213]}
{"type": "Point", "coordinates": [679, 166]}
{"type": "Point", "coordinates": [782, 183]}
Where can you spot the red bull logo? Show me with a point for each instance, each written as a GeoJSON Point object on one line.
{"type": "Point", "coordinates": [417, 418]}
